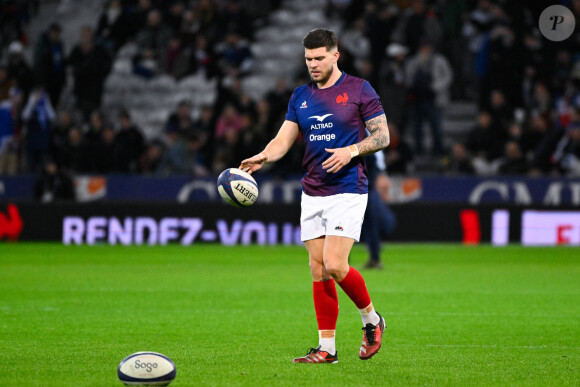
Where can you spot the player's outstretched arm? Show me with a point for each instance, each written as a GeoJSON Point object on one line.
{"type": "Point", "coordinates": [275, 150]}
{"type": "Point", "coordinates": [378, 139]}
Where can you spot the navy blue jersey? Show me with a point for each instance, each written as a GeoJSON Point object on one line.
{"type": "Point", "coordinates": [333, 118]}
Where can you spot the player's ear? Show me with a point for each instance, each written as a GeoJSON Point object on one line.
{"type": "Point", "coordinates": [336, 55]}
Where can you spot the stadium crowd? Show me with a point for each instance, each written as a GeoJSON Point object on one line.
{"type": "Point", "coordinates": [419, 55]}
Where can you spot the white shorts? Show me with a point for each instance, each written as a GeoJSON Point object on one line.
{"type": "Point", "coordinates": [340, 215]}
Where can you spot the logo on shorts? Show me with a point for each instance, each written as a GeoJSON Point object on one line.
{"type": "Point", "coordinates": [339, 228]}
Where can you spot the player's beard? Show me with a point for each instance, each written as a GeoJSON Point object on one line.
{"type": "Point", "coordinates": [323, 77]}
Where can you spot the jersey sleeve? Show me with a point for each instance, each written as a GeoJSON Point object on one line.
{"type": "Point", "coordinates": [291, 113]}
{"type": "Point", "coordinates": [370, 106]}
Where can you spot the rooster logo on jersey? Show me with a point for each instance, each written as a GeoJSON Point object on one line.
{"type": "Point", "coordinates": [342, 99]}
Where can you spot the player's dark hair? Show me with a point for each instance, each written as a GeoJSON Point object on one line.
{"type": "Point", "coordinates": [320, 37]}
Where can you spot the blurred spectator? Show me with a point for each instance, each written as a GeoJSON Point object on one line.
{"type": "Point", "coordinates": [278, 98]}
{"type": "Point", "coordinates": [139, 15]}
{"type": "Point", "coordinates": [207, 15]}
{"type": "Point", "coordinates": [60, 137]}
{"type": "Point", "coordinates": [500, 111]}
{"type": "Point", "coordinates": [106, 152]}
{"type": "Point", "coordinates": [8, 140]}
{"type": "Point", "coordinates": [227, 152]}
{"type": "Point", "coordinates": [76, 157]}
{"type": "Point", "coordinates": [516, 133]}
{"type": "Point", "coordinates": [429, 77]}
{"type": "Point", "coordinates": [459, 162]}
{"type": "Point", "coordinates": [476, 32]}
{"type": "Point", "coordinates": [485, 140]}
{"type": "Point", "coordinates": [151, 159]}
{"type": "Point", "coordinates": [90, 64]}
{"type": "Point", "coordinates": [18, 69]}
{"type": "Point", "coordinates": [503, 74]}
{"type": "Point", "coordinates": [566, 155]}
{"type": "Point", "coordinates": [513, 162]}
{"type": "Point", "coordinates": [235, 54]}
{"type": "Point", "coordinates": [190, 27]}
{"type": "Point", "coordinates": [380, 20]}
{"type": "Point", "coordinates": [6, 84]}
{"type": "Point", "coordinates": [145, 64]}
{"type": "Point", "coordinates": [354, 40]}
{"type": "Point", "coordinates": [155, 35]}
{"type": "Point", "coordinates": [561, 71]}
{"type": "Point", "coordinates": [93, 137]}
{"type": "Point", "coordinates": [542, 138]}
{"type": "Point", "coordinates": [541, 102]}
{"type": "Point", "coordinates": [176, 59]}
{"type": "Point", "coordinates": [38, 116]}
{"type": "Point", "coordinates": [379, 219]}
{"type": "Point", "coordinates": [129, 145]}
{"type": "Point", "coordinates": [399, 153]}
{"type": "Point", "coordinates": [266, 119]}
{"type": "Point", "coordinates": [13, 14]}
{"type": "Point", "coordinates": [174, 17]}
{"type": "Point", "coordinates": [180, 121]}
{"type": "Point", "coordinates": [203, 133]}
{"type": "Point", "coordinates": [53, 185]}
{"type": "Point", "coordinates": [452, 15]}
{"type": "Point", "coordinates": [203, 59]}
{"type": "Point", "coordinates": [234, 16]}
{"type": "Point", "coordinates": [114, 26]}
{"type": "Point", "coordinates": [531, 54]}
{"type": "Point", "coordinates": [527, 86]}
{"type": "Point", "coordinates": [253, 138]}
{"type": "Point", "coordinates": [181, 156]}
{"type": "Point", "coordinates": [152, 42]}
{"type": "Point", "coordinates": [49, 62]}
{"type": "Point", "coordinates": [416, 22]}
{"type": "Point", "coordinates": [246, 105]}
{"type": "Point", "coordinates": [395, 87]}
{"type": "Point", "coordinates": [229, 93]}
{"type": "Point", "coordinates": [229, 120]}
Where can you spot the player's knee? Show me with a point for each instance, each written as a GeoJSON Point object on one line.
{"type": "Point", "coordinates": [317, 270]}
{"type": "Point", "coordinates": [336, 270]}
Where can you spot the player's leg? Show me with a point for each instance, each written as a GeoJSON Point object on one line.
{"type": "Point", "coordinates": [325, 296]}
{"type": "Point", "coordinates": [418, 118]}
{"type": "Point", "coordinates": [325, 306]}
{"type": "Point", "coordinates": [434, 116]}
{"type": "Point", "coordinates": [343, 227]}
{"type": "Point", "coordinates": [336, 251]}
{"type": "Point", "coordinates": [371, 231]}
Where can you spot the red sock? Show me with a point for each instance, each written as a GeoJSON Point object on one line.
{"type": "Point", "coordinates": [325, 304]}
{"type": "Point", "coordinates": [354, 286]}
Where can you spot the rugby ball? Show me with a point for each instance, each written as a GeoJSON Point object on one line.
{"type": "Point", "coordinates": [237, 187]}
{"type": "Point", "coordinates": [146, 369]}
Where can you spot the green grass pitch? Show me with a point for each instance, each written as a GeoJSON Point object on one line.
{"type": "Point", "coordinates": [237, 316]}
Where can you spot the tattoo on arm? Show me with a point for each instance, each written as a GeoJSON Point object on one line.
{"type": "Point", "coordinates": [379, 138]}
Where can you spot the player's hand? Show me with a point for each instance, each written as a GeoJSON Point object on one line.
{"type": "Point", "coordinates": [339, 158]}
{"type": "Point", "coordinates": [253, 163]}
